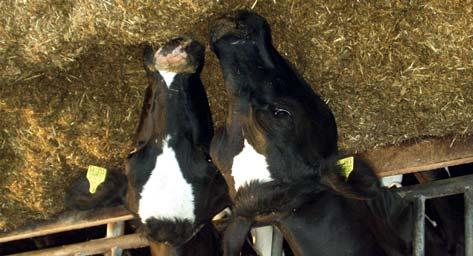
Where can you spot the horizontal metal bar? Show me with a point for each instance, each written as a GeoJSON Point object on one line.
{"type": "Point", "coordinates": [70, 221]}
{"type": "Point", "coordinates": [469, 221]}
{"type": "Point", "coordinates": [438, 188]}
{"type": "Point", "coordinates": [419, 226]}
{"type": "Point", "coordinates": [92, 247]}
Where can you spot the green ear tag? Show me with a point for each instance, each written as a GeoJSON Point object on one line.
{"type": "Point", "coordinates": [96, 175]}
{"type": "Point", "coordinates": [347, 165]}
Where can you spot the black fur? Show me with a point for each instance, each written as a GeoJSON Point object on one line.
{"type": "Point", "coordinates": [175, 232]}
{"type": "Point", "coordinates": [273, 199]}
{"type": "Point", "coordinates": [109, 193]}
{"type": "Point", "coordinates": [318, 209]}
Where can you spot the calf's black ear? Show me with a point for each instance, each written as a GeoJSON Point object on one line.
{"type": "Point", "coordinates": [148, 58]}
{"type": "Point", "coordinates": [147, 129]}
{"type": "Point", "coordinates": [110, 193]}
{"type": "Point", "coordinates": [361, 183]}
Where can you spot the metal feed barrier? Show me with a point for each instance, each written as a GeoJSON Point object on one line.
{"type": "Point", "coordinates": [116, 240]}
{"type": "Point", "coordinates": [419, 193]}
{"type": "Point", "coordinates": [420, 155]}
{"type": "Point", "coordinates": [112, 245]}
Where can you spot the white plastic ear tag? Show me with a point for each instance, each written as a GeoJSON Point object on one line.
{"type": "Point", "coordinates": [347, 165]}
{"type": "Point", "coordinates": [96, 175]}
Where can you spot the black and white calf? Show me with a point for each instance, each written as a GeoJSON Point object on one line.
{"type": "Point", "coordinates": [277, 129]}
{"type": "Point", "coordinates": [173, 187]}
{"type": "Point", "coordinates": [278, 150]}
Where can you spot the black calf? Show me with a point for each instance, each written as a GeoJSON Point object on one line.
{"type": "Point", "coordinates": [337, 225]}
{"type": "Point", "coordinates": [279, 151]}
{"type": "Point", "coordinates": [271, 106]}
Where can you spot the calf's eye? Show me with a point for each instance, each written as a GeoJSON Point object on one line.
{"type": "Point", "coordinates": [279, 112]}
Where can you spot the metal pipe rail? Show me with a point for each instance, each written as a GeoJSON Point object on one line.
{"type": "Point", "coordinates": [112, 245]}
{"type": "Point", "coordinates": [419, 193]}
{"type": "Point", "coordinates": [93, 247]}
{"type": "Point", "coordinates": [70, 221]}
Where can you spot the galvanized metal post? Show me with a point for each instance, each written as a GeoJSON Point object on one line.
{"type": "Point", "coordinates": [115, 229]}
{"type": "Point", "coordinates": [277, 244]}
{"type": "Point", "coordinates": [469, 221]}
{"type": "Point", "coordinates": [419, 207]}
{"type": "Point", "coordinates": [262, 239]}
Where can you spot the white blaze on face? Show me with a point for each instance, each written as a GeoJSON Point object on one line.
{"type": "Point", "coordinates": [167, 76]}
{"type": "Point", "coordinates": [167, 195]}
{"type": "Point", "coordinates": [249, 165]}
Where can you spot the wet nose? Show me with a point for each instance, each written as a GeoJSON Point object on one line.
{"type": "Point", "coordinates": [181, 54]}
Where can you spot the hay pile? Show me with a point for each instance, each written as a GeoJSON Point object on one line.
{"type": "Point", "coordinates": [71, 80]}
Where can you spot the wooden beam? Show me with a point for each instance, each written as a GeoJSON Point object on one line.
{"type": "Point", "coordinates": [70, 221]}
{"type": "Point", "coordinates": [420, 155]}
{"type": "Point", "coordinates": [93, 247]}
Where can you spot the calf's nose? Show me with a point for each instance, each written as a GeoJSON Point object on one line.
{"type": "Point", "coordinates": [179, 55]}
{"type": "Point", "coordinates": [240, 24]}
{"type": "Point", "coordinates": [221, 27]}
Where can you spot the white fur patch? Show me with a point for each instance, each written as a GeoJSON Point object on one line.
{"type": "Point", "coordinates": [166, 194]}
{"type": "Point", "coordinates": [249, 165]}
{"type": "Point", "coordinates": [167, 76]}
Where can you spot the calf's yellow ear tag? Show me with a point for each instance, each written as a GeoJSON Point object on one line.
{"type": "Point", "coordinates": [96, 175]}
{"type": "Point", "coordinates": [347, 165]}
